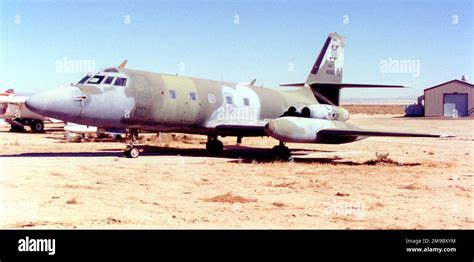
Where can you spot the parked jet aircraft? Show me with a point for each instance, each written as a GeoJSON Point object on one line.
{"type": "Point", "coordinates": [136, 100]}
{"type": "Point", "coordinates": [13, 110]}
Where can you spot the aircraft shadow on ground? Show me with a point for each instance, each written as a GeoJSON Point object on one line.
{"type": "Point", "coordinates": [235, 154]}
{"type": "Point", "coordinates": [49, 130]}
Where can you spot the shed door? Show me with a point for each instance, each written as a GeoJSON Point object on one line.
{"type": "Point", "coordinates": [454, 102]}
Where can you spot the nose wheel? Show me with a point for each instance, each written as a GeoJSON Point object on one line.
{"type": "Point", "coordinates": [131, 152]}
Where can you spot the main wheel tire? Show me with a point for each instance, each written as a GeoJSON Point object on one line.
{"type": "Point", "coordinates": [37, 126]}
{"type": "Point", "coordinates": [281, 152]}
{"type": "Point", "coordinates": [214, 146]}
{"type": "Point", "coordinates": [132, 152]}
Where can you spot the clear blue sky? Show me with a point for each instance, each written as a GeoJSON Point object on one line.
{"type": "Point", "coordinates": [269, 36]}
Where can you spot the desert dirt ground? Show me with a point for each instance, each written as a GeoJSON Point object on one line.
{"type": "Point", "coordinates": [422, 183]}
{"type": "Point", "coordinates": [375, 109]}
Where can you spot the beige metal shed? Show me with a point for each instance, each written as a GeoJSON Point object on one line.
{"type": "Point", "coordinates": [453, 98]}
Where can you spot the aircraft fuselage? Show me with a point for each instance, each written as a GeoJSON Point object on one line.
{"type": "Point", "coordinates": [169, 103]}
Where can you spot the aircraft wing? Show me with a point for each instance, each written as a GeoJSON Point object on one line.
{"type": "Point", "coordinates": [257, 130]}
{"type": "Point", "coordinates": [365, 133]}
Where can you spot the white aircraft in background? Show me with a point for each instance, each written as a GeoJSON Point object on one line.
{"type": "Point", "coordinates": [14, 112]}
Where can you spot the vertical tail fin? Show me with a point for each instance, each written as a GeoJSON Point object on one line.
{"type": "Point", "coordinates": [328, 65]}
{"type": "Point", "coordinates": [325, 78]}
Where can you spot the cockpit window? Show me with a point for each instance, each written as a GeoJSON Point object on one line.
{"type": "Point", "coordinates": [120, 81]}
{"type": "Point", "coordinates": [109, 80]}
{"type": "Point", "coordinates": [96, 80]}
{"type": "Point", "coordinates": [84, 79]}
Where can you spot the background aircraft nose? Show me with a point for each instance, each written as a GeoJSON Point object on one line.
{"type": "Point", "coordinates": [37, 103]}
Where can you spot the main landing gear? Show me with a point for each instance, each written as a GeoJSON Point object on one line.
{"type": "Point", "coordinates": [37, 126]}
{"type": "Point", "coordinates": [131, 151]}
{"type": "Point", "coordinates": [281, 151]}
{"type": "Point", "coordinates": [214, 145]}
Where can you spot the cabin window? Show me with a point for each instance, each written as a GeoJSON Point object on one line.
{"type": "Point", "coordinates": [228, 100]}
{"type": "Point", "coordinates": [84, 79]}
{"type": "Point", "coordinates": [192, 96]}
{"type": "Point", "coordinates": [109, 80]}
{"type": "Point", "coordinates": [120, 81]}
{"type": "Point", "coordinates": [95, 80]}
{"type": "Point", "coordinates": [246, 102]}
{"type": "Point", "coordinates": [211, 98]}
{"type": "Point", "coordinates": [172, 94]}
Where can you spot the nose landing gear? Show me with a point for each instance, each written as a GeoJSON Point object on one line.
{"type": "Point", "coordinates": [132, 151]}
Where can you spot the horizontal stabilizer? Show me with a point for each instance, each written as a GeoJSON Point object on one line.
{"type": "Point", "coordinates": [344, 85]}
{"type": "Point", "coordinates": [329, 93]}
{"type": "Point", "coordinates": [295, 85]}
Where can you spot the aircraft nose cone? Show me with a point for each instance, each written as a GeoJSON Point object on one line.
{"type": "Point", "coordinates": [61, 103]}
{"type": "Point", "coordinates": [37, 103]}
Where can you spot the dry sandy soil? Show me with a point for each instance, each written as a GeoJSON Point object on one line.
{"type": "Point", "coordinates": [375, 109]}
{"type": "Point", "coordinates": [423, 183]}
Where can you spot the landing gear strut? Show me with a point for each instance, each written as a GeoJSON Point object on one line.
{"type": "Point", "coordinates": [214, 145]}
{"type": "Point", "coordinates": [131, 151]}
{"type": "Point", "coordinates": [281, 151]}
